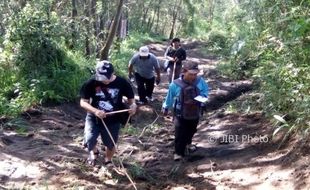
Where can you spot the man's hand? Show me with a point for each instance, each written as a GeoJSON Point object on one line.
{"type": "Point", "coordinates": [101, 114]}
{"type": "Point", "coordinates": [131, 77]}
{"type": "Point", "coordinates": [133, 109]}
{"type": "Point", "coordinates": [157, 80]}
{"type": "Point", "coordinates": [170, 58]}
{"type": "Point", "coordinates": [164, 111]}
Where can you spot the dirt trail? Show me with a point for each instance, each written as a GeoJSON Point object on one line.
{"type": "Point", "coordinates": [235, 151]}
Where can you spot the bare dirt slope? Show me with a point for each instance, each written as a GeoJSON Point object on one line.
{"type": "Point", "coordinates": [235, 150]}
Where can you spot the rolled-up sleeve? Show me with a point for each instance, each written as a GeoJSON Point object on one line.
{"type": "Point", "coordinates": [203, 87]}
{"type": "Point", "coordinates": [173, 92]}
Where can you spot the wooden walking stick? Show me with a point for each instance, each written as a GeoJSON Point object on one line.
{"type": "Point", "coordinates": [173, 72]}
{"type": "Point", "coordinates": [117, 154]}
{"type": "Point", "coordinates": [119, 111]}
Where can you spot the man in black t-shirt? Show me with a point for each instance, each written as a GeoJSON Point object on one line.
{"type": "Point", "coordinates": [100, 95]}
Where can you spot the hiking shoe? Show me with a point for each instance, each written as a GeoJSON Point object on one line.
{"type": "Point", "coordinates": [91, 161]}
{"type": "Point", "coordinates": [150, 98]}
{"type": "Point", "coordinates": [109, 165]}
{"type": "Point", "coordinates": [141, 102]}
{"type": "Point", "coordinates": [190, 148]}
{"type": "Point", "coordinates": [177, 157]}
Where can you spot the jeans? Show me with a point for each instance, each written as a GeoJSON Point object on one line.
{"type": "Point", "coordinates": [94, 127]}
{"type": "Point", "coordinates": [184, 132]}
{"type": "Point", "coordinates": [145, 87]}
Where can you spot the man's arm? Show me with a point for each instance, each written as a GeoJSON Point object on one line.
{"type": "Point", "coordinates": [172, 93]}
{"type": "Point", "coordinates": [132, 106]}
{"type": "Point", "coordinates": [85, 103]}
{"type": "Point", "coordinates": [130, 69]}
{"type": "Point", "coordinates": [157, 70]}
{"type": "Point", "coordinates": [169, 58]}
{"type": "Point", "coordinates": [204, 88]}
{"type": "Point", "coordinates": [130, 66]}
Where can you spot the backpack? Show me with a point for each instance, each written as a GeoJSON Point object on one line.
{"type": "Point", "coordinates": [185, 106]}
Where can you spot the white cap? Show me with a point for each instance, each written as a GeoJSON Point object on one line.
{"type": "Point", "coordinates": [144, 51]}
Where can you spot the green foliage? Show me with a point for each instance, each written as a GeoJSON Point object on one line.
{"type": "Point", "coordinates": [130, 130]}
{"type": "Point", "coordinates": [34, 67]}
{"type": "Point", "coordinates": [219, 42]}
{"type": "Point", "coordinates": [275, 54]}
{"type": "Point", "coordinates": [137, 172]}
{"type": "Point", "coordinates": [20, 126]}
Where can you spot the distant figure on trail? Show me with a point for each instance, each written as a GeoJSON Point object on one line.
{"type": "Point", "coordinates": [174, 54]}
{"type": "Point", "coordinates": [99, 96]}
{"type": "Point", "coordinates": [143, 65]}
{"type": "Point", "coordinates": [185, 97]}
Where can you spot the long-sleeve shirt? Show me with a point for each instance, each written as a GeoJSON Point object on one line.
{"type": "Point", "coordinates": [174, 92]}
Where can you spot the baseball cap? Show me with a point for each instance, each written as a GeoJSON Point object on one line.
{"type": "Point", "coordinates": [144, 51]}
{"type": "Point", "coordinates": [104, 70]}
{"type": "Point", "coordinates": [191, 67]}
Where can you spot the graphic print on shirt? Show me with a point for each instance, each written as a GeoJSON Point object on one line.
{"type": "Point", "coordinates": [107, 98]}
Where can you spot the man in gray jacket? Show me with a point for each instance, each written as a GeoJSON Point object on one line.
{"type": "Point", "coordinates": [143, 64]}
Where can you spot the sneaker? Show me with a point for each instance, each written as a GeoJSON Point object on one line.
{"type": "Point", "coordinates": [91, 160]}
{"type": "Point", "coordinates": [109, 165]}
{"type": "Point", "coordinates": [190, 148]}
{"type": "Point", "coordinates": [177, 157]}
{"type": "Point", "coordinates": [150, 98]}
{"type": "Point", "coordinates": [141, 102]}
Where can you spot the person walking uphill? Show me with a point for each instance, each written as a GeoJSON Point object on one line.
{"type": "Point", "coordinates": [99, 96]}
{"type": "Point", "coordinates": [143, 64]}
{"type": "Point", "coordinates": [175, 54]}
{"type": "Point", "coordinates": [187, 110]}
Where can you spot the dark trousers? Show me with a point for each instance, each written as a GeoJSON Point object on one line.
{"type": "Point", "coordinates": [177, 72]}
{"type": "Point", "coordinates": [184, 132]}
{"type": "Point", "coordinates": [145, 87]}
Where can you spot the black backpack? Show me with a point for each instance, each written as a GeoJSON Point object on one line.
{"type": "Point", "coordinates": [186, 107]}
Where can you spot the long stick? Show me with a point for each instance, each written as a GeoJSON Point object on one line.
{"type": "Point", "coordinates": [127, 175]}
{"type": "Point", "coordinates": [119, 111]}
{"type": "Point", "coordinates": [173, 72]}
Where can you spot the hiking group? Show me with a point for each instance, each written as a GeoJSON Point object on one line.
{"type": "Point", "coordinates": [102, 98]}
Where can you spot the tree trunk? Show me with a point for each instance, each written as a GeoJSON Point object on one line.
{"type": "Point", "coordinates": [87, 25]}
{"type": "Point", "coordinates": [174, 17]}
{"type": "Point", "coordinates": [151, 20]}
{"type": "Point", "coordinates": [94, 22]}
{"type": "Point", "coordinates": [94, 16]}
{"type": "Point", "coordinates": [144, 16]}
{"type": "Point", "coordinates": [158, 15]}
{"type": "Point", "coordinates": [102, 22]}
{"type": "Point", "coordinates": [211, 11]}
{"type": "Point", "coordinates": [104, 54]}
{"type": "Point", "coordinates": [73, 31]}
{"type": "Point", "coordinates": [22, 3]}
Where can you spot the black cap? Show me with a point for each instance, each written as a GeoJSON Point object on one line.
{"type": "Point", "coordinates": [104, 70]}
